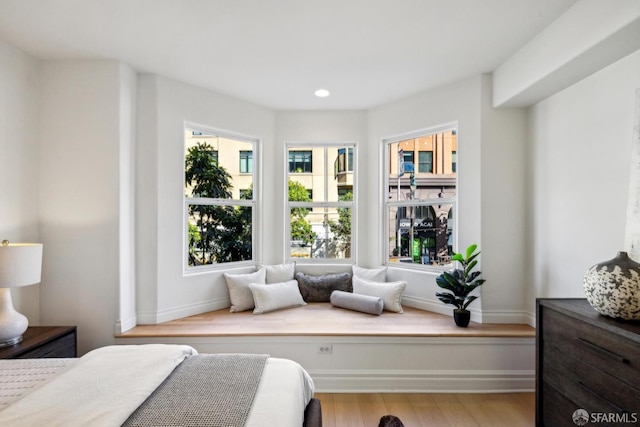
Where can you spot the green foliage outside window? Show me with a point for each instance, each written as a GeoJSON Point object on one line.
{"type": "Point", "coordinates": [300, 227]}
{"type": "Point", "coordinates": [217, 233]}
{"type": "Point", "coordinates": [341, 229]}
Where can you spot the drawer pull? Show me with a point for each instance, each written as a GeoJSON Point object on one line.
{"type": "Point", "coordinates": [599, 396]}
{"type": "Point", "coordinates": [604, 351]}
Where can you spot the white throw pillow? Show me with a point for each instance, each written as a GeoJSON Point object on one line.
{"type": "Point", "coordinates": [239, 292]}
{"type": "Point", "coordinates": [276, 296]}
{"type": "Point", "coordinates": [280, 273]}
{"type": "Point", "coordinates": [390, 292]}
{"type": "Point", "coordinates": [373, 274]}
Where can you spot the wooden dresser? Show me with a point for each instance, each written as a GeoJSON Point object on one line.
{"type": "Point", "coordinates": [43, 341]}
{"type": "Point", "coordinates": [585, 361]}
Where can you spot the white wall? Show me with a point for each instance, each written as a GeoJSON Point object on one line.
{"type": "Point", "coordinates": [503, 211]}
{"type": "Point", "coordinates": [79, 199]}
{"type": "Point", "coordinates": [579, 146]}
{"type": "Point", "coordinates": [163, 292]}
{"type": "Point", "coordinates": [19, 101]}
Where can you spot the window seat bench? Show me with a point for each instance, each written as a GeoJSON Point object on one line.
{"type": "Point", "coordinates": [349, 351]}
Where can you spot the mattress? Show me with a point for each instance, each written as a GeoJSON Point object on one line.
{"type": "Point", "coordinates": [284, 390]}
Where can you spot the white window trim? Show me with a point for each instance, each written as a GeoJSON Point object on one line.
{"type": "Point", "coordinates": [255, 204]}
{"type": "Point", "coordinates": [386, 202]}
{"type": "Point", "coordinates": [353, 205]}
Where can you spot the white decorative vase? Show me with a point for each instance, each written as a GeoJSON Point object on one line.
{"type": "Point", "coordinates": [613, 287]}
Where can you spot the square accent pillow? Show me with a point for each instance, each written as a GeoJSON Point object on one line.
{"type": "Point", "coordinates": [390, 292]}
{"type": "Point", "coordinates": [239, 292]}
{"type": "Point", "coordinates": [319, 288]}
{"type": "Point", "coordinates": [280, 272]}
{"type": "Point", "coordinates": [276, 296]}
{"type": "Point", "coordinates": [373, 274]}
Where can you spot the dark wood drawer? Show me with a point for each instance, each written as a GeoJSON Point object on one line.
{"type": "Point", "coordinates": [557, 410]}
{"type": "Point", "coordinates": [590, 345]}
{"type": "Point", "coordinates": [588, 386]}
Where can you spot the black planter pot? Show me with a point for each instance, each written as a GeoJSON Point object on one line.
{"type": "Point", "coordinates": [461, 317]}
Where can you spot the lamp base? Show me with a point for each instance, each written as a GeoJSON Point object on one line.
{"type": "Point", "coordinates": [12, 323]}
{"type": "Point", "coordinates": [11, 342]}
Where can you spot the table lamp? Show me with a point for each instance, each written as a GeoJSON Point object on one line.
{"type": "Point", "coordinates": [20, 265]}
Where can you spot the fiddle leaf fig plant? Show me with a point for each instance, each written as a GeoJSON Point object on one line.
{"type": "Point", "coordinates": [461, 281]}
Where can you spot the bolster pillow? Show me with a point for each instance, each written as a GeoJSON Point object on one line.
{"type": "Point", "coordinates": [357, 302]}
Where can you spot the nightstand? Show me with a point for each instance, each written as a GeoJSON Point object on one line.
{"type": "Point", "coordinates": [43, 341]}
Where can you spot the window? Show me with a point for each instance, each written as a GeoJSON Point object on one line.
{"type": "Point", "coordinates": [219, 201]}
{"type": "Point", "coordinates": [246, 161]}
{"type": "Point", "coordinates": [420, 210]}
{"type": "Point", "coordinates": [344, 162]}
{"type": "Point", "coordinates": [425, 161]}
{"type": "Point", "coordinates": [300, 161]}
{"type": "Point", "coordinates": [321, 202]}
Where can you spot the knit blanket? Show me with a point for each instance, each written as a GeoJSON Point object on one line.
{"type": "Point", "coordinates": [214, 390]}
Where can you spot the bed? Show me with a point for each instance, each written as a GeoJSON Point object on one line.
{"type": "Point", "coordinates": [155, 385]}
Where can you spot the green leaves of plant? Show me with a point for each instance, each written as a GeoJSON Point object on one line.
{"type": "Point", "coordinates": [461, 282]}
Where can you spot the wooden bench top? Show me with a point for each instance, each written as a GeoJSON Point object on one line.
{"type": "Point", "coordinates": [322, 319]}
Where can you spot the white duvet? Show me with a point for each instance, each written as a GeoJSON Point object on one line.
{"type": "Point", "coordinates": [106, 385]}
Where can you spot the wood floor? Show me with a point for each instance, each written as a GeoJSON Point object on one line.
{"type": "Point", "coordinates": [317, 319]}
{"type": "Point", "coordinates": [432, 410]}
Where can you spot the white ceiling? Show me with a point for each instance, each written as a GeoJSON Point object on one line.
{"type": "Point", "coordinates": [275, 53]}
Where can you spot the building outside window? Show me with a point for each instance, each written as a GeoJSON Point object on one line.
{"type": "Point", "coordinates": [321, 202]}
{"type": "Point", "coordinates": [301, 161]}
{"type": "Point", "coordinates": [425, 161]}
{"type": "Point", "coordinates": [421, 199]}
{"type": "Point", "coordinates": [219, 198]}
{"type": "Point", "coordinates": [246, 161]}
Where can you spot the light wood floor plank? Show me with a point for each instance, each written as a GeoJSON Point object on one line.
{"type": "Point", "coordinates": [429, 409]}
{"type": "Point", "coordinates": [401, 407]}
{"type": "Point", "coordinates": [347, 410]}
{"type": "Point", "coordinates": [372, 406]}
{"type": "Point", "coordinates": [482, 413]}
{"type": "Point", "coordinates": [328, 410]}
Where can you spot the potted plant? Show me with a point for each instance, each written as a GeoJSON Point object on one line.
{"type": "Point", "coordinates": [461, 282]}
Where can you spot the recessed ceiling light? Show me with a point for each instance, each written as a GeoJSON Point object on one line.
{"type": "Point", "coordinates": [321, 93]}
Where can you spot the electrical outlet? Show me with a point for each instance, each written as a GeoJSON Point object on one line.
{"type": "Point", "coordinates": [325, 349]}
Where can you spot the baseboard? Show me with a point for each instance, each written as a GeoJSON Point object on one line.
{"type": "Point", "coordinates": [435, 381]}
{"type": "Point", "coordinates": [125, 325]}
{"type": "Point", "coordinates": [506, 316]}
{"type": "Point", "coordinates": [152, 318]}
{"type": "Point", "coordinates": [480, 316]}
{"type": "Point", "coordinates": [436, 306]}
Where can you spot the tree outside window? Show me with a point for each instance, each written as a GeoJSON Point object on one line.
{"type": "Point", "coordinates": [219, 201]}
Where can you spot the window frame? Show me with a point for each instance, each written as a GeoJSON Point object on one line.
{"type": "Point", "coordinates": [253, 203]}
{"type": "Point", "coordinates": [388, 202]}
{"type": "Point", "coordinates": [328, 168]}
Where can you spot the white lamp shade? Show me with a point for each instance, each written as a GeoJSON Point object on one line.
{"type": "Point", "coordinates": [20, 264]}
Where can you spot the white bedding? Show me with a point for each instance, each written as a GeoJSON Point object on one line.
{"type": "Point", "coordinates": [106, 385]}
